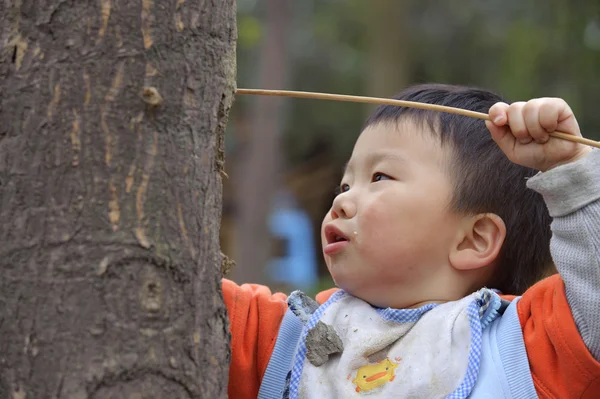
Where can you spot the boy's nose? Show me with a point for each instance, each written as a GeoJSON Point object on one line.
{"type": "Point", "coordinates": [343, 208]}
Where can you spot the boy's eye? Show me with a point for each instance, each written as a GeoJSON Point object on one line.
{"type": "Point", "coordinates": [380, 176]}
{"type": "Point", "coordinates": [342, 188]}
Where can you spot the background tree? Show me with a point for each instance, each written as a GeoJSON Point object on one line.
{"type": "Point", "coordinates": [258, 163]}
{"type": "Point", "coordinates": [111, 148]}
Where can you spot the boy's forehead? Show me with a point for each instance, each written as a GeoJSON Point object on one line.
{"type": "Point", "coordinates": [402, 132]}
{"type": "Point", "coordinates": [398, 141]}
{"type": "Point", "coordinates": [377, 155]}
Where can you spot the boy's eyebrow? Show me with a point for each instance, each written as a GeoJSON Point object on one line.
{"type": "Point", "coordinates": [381, 155]}
{"type": "Point", "coordinates": [377, 156]}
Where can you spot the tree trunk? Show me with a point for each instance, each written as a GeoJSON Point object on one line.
{"type": "Point", "coordinates": [111, 147]}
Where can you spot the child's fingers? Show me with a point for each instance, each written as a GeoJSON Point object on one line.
{"type": "Point", "coordinates": [531, 115]}
{"type": "Point", "coordinates": [502, 136]}
{"type": "Point", "coordinates": [516, 121]}
{"type": "Point", "coordinates": [497, 125]}
{"type": "Point", "coordinates": [550, 111]}
{"type": "Point", "coordinates": [498, 114]}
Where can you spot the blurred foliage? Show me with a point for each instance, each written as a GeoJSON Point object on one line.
{"type": "Point", "coordinates": [250, 31]}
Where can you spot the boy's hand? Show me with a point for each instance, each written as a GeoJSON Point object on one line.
{"type": "Point", "coordinates": [522, 130]}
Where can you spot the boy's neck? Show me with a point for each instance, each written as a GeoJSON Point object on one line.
{"type": "Point", "coordinates": [421, 304]}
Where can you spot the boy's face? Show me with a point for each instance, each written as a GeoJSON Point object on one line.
{"type": "Point", "coordinates": [391, 229]}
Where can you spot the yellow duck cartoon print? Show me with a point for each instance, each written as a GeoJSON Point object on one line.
{"type": "Point", "coordinates": [374, 375]}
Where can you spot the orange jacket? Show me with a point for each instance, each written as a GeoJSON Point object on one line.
{"type": "Point", "coordinates": [561, 365]}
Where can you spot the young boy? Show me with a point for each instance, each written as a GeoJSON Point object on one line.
{"type": "Point", "coordinates": [432, 209]}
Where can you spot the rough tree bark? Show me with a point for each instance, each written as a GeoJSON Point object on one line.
{"type": "Point", "coordinates": [111, 147]}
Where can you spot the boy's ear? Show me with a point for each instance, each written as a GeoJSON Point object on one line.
{"type": "Point", "coordinates": [479, 242]}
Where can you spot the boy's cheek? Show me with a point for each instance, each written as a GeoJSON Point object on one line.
{"type": "Point", "coordinates": [377, 223]}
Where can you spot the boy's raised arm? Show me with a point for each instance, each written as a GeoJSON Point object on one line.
{"type": "Point", "coordinates": [572, 193]}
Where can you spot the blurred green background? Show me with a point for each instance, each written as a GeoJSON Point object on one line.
{"type": "Point", "coordinates": [285, 156]}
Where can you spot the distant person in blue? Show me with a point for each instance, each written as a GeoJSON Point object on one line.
{"type": "Point", "coordinates": [292, 226]}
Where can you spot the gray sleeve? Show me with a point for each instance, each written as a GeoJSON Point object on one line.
{"type": "Point", "coordinates": [572, 194]}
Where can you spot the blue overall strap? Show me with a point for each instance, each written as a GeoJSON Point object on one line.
{"type": "Point", "coordinates": [280, 364]}
{"type": "Point", "coordinates": [504, 371]}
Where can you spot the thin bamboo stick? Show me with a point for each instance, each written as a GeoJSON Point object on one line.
{"type": "Point", "coordinates": [399, 103]}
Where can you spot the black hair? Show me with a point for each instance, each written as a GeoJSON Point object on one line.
{"type": "Point", "coordinates": [485, 181]}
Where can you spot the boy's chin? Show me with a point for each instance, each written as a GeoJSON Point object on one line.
{"type": "Point", "coordinates": [339, 282]}
{"type": "Point", "coordinates": [347, 286]}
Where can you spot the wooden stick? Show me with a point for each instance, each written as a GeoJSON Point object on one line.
{"type": "Point", "coordinates": [399, 103]}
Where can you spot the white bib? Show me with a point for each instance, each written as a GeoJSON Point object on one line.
{"type": "Point", "coordinates": [430, 352]}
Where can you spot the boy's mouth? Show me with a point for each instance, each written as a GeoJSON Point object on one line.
{"type": "Point", "coordinates": [333, 235]}
{"type": "Point", "coordinates": [336, 240]}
